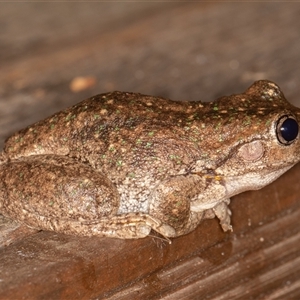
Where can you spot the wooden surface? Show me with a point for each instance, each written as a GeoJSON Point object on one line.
{"type": "Point", "coordinates": [180, 50]}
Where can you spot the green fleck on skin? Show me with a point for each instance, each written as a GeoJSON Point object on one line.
{"type": "Point", "coordinates": [68, 117]}
{"type": "Point", "coordinates": [268, 122]}
{"type": "Point", "coordinates": [175, 158]}
{"type": "Point", "coordinates": [218, 126]}
{"type": "Point", "coordinates": [247, 121]}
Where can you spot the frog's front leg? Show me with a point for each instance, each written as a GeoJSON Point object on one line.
{"type": "Point", "coordinates": [171, 202]}
{"type": "Point", "coordinates": [223, 213]}
{"type": "Point", "coordinates": [58, 193]}
{"type": "Point", "coordinates": [184, 201]}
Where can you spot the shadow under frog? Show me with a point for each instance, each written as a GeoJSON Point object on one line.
{"type": "Point", "coordinates": [120, 164]}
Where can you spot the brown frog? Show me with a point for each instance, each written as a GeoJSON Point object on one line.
{"type": "Point", "coordinates": [121, 164]}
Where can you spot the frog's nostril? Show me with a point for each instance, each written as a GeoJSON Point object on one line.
{"type": "Point", "coordinates": [287, 129]}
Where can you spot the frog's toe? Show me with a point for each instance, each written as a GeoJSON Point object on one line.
{"type": "Point", "coordinates": [226, 227]}
{"type": "Point", "coordinates": [166, 230]}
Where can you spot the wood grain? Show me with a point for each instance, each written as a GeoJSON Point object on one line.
{"type": "Point", "coordinates": [181, 50]}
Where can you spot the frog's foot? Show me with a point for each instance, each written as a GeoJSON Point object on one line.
{"type": "Point", "coordinates": [125, 226]}
{"type": "Point", "coordinates": [128, 226]}
{"type": "Point", "coordinates": [223, 213]}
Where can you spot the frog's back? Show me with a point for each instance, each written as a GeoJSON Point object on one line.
{"type": "Point", "coordinates": [93, 119]}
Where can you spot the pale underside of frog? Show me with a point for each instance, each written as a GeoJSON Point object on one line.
{"type": "Point", "coordinates": [120, 164]}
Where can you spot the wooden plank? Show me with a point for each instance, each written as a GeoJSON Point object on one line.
{"type": "Point", "coordinates": [178, 50]}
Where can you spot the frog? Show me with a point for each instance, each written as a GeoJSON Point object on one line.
{"type": "Point", "coordinates": [123, 165]}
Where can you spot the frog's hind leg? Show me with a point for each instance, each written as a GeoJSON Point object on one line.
{"type": "Point", "coordinates": [125, 226]}
{"type": "Point", "coordinates": [130, 225]}
{"type": "Point", "coordinates": [59, 193]}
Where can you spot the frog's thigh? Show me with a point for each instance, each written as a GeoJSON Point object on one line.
{"type": "Point", "coordinates": [55, 187]}
{"type": "Point", "coordinates": [223, 213]}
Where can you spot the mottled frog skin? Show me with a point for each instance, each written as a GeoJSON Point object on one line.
{"type": "Point", "coordinates": [120, 164]}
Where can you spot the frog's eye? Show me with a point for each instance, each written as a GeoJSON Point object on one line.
{"type": "Point", "coordinates": [287, 129]}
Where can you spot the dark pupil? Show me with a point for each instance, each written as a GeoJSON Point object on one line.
{"type": "Point", "coordinates": [289, 129]}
